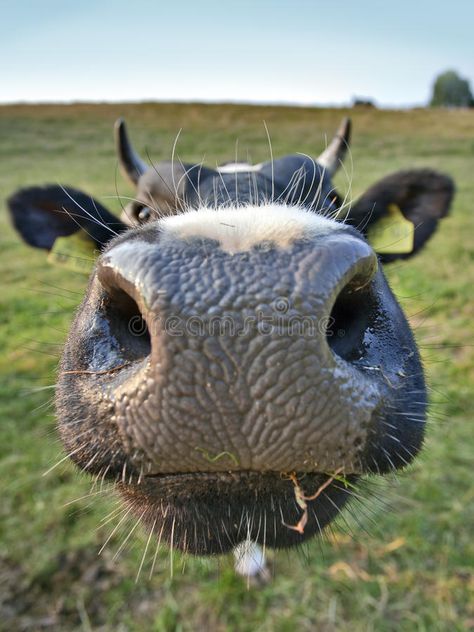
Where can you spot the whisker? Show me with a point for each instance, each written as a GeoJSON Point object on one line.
{"type": "Point", "coordinates": [68, 456]}
{"type": "Point", "coordinates": [122, 519]}
{"type": "Point", "coordinates": [121, 547]}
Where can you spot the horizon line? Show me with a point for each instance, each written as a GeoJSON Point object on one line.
{"type": "Point", "coordinates": [191, 101]}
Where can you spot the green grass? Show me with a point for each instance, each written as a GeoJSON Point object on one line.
{"type": "Point", "coordinates": [410, 568]}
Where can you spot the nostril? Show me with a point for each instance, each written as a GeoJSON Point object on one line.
{"type": "Point", "coordinates": [126, 321]}
{"type": "Point", "coordinates": [352, 315]}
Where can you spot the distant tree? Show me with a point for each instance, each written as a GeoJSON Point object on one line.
{"type": "Point", "coordinates": [363, 102]}
{"type": "Point", "coordinates": [450, 90]}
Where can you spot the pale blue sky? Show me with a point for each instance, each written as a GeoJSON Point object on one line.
{"type": "Point", "coordinates": [301, 51]}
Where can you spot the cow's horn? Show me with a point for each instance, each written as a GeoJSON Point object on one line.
{"type": "Point", "coordinates": [131, 164]}
{"type": "Point", "coordinates": [333, 155]}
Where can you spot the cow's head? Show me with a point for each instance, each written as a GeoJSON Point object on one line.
{"type": "Point", "coordinates": [239, 360]}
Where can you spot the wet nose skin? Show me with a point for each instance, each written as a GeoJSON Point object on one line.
{"type": "Point", "coordinates": [243, 371]}
{"type": "Point", "coordinates": [201, 278]}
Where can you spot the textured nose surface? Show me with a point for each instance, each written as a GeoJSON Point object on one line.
{"type": "Point", "coordinates": [246, 365]}
{"type": "Point", "coordinates": [147, 278]}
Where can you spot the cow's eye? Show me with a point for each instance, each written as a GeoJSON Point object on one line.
{"type": "Point", "coordinates": [144, 214]}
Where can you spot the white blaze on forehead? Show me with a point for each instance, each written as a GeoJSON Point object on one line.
{"type": "Point", "coordinates": [235, 167]}
{"type": "Point", "coordinates": [240, 228]}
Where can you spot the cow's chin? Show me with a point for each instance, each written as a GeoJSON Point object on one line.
{"type": "Point", "coordinates": [211, 512]}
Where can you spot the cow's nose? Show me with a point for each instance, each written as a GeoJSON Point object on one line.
{"type": "Point", "coordinates": [334, 283]}
{"type": "Point", "coordinates": [256, 370]}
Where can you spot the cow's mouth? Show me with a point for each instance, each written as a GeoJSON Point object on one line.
{"type": "Point", "coordinates": [211, 512]}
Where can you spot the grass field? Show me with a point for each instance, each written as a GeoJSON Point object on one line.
{"type": "Point", "coordinates": [407, 568]}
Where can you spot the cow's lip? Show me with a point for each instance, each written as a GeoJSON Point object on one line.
{"type": "Point", "coordinates": [234, 474]}
{"type": "Point", "coordinates": [230, 477]}
{"type": "Point", "coordinates": [224, 478]}
{"type": "Point", "coordinates": [225, 482]}
{"type": "Point", "coordinates": [211, 512]}
{"type": "Point", "coordinates": [181, 486]}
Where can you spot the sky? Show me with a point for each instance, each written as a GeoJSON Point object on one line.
{"type": "Point", "coordinates": [269, 51]}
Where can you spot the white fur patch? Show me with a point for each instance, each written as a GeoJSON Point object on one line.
{"type": "Point", "coordinates": [235, 167]}
{"type": "Point", "coordinates": [250, 561]}
{"type": "Point", "coordinates": [239, 229]}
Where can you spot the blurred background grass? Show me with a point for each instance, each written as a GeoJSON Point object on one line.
{"type": "Point", "coordinates": [407, 568]}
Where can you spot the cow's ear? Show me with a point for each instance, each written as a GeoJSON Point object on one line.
{"type": "Point", "coordinates": [400, 212]}
{"type": "Point", "coordinates": [41, 214]}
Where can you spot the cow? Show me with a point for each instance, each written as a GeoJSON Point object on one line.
{"type": "Point", "coordinates": [239, 360]}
